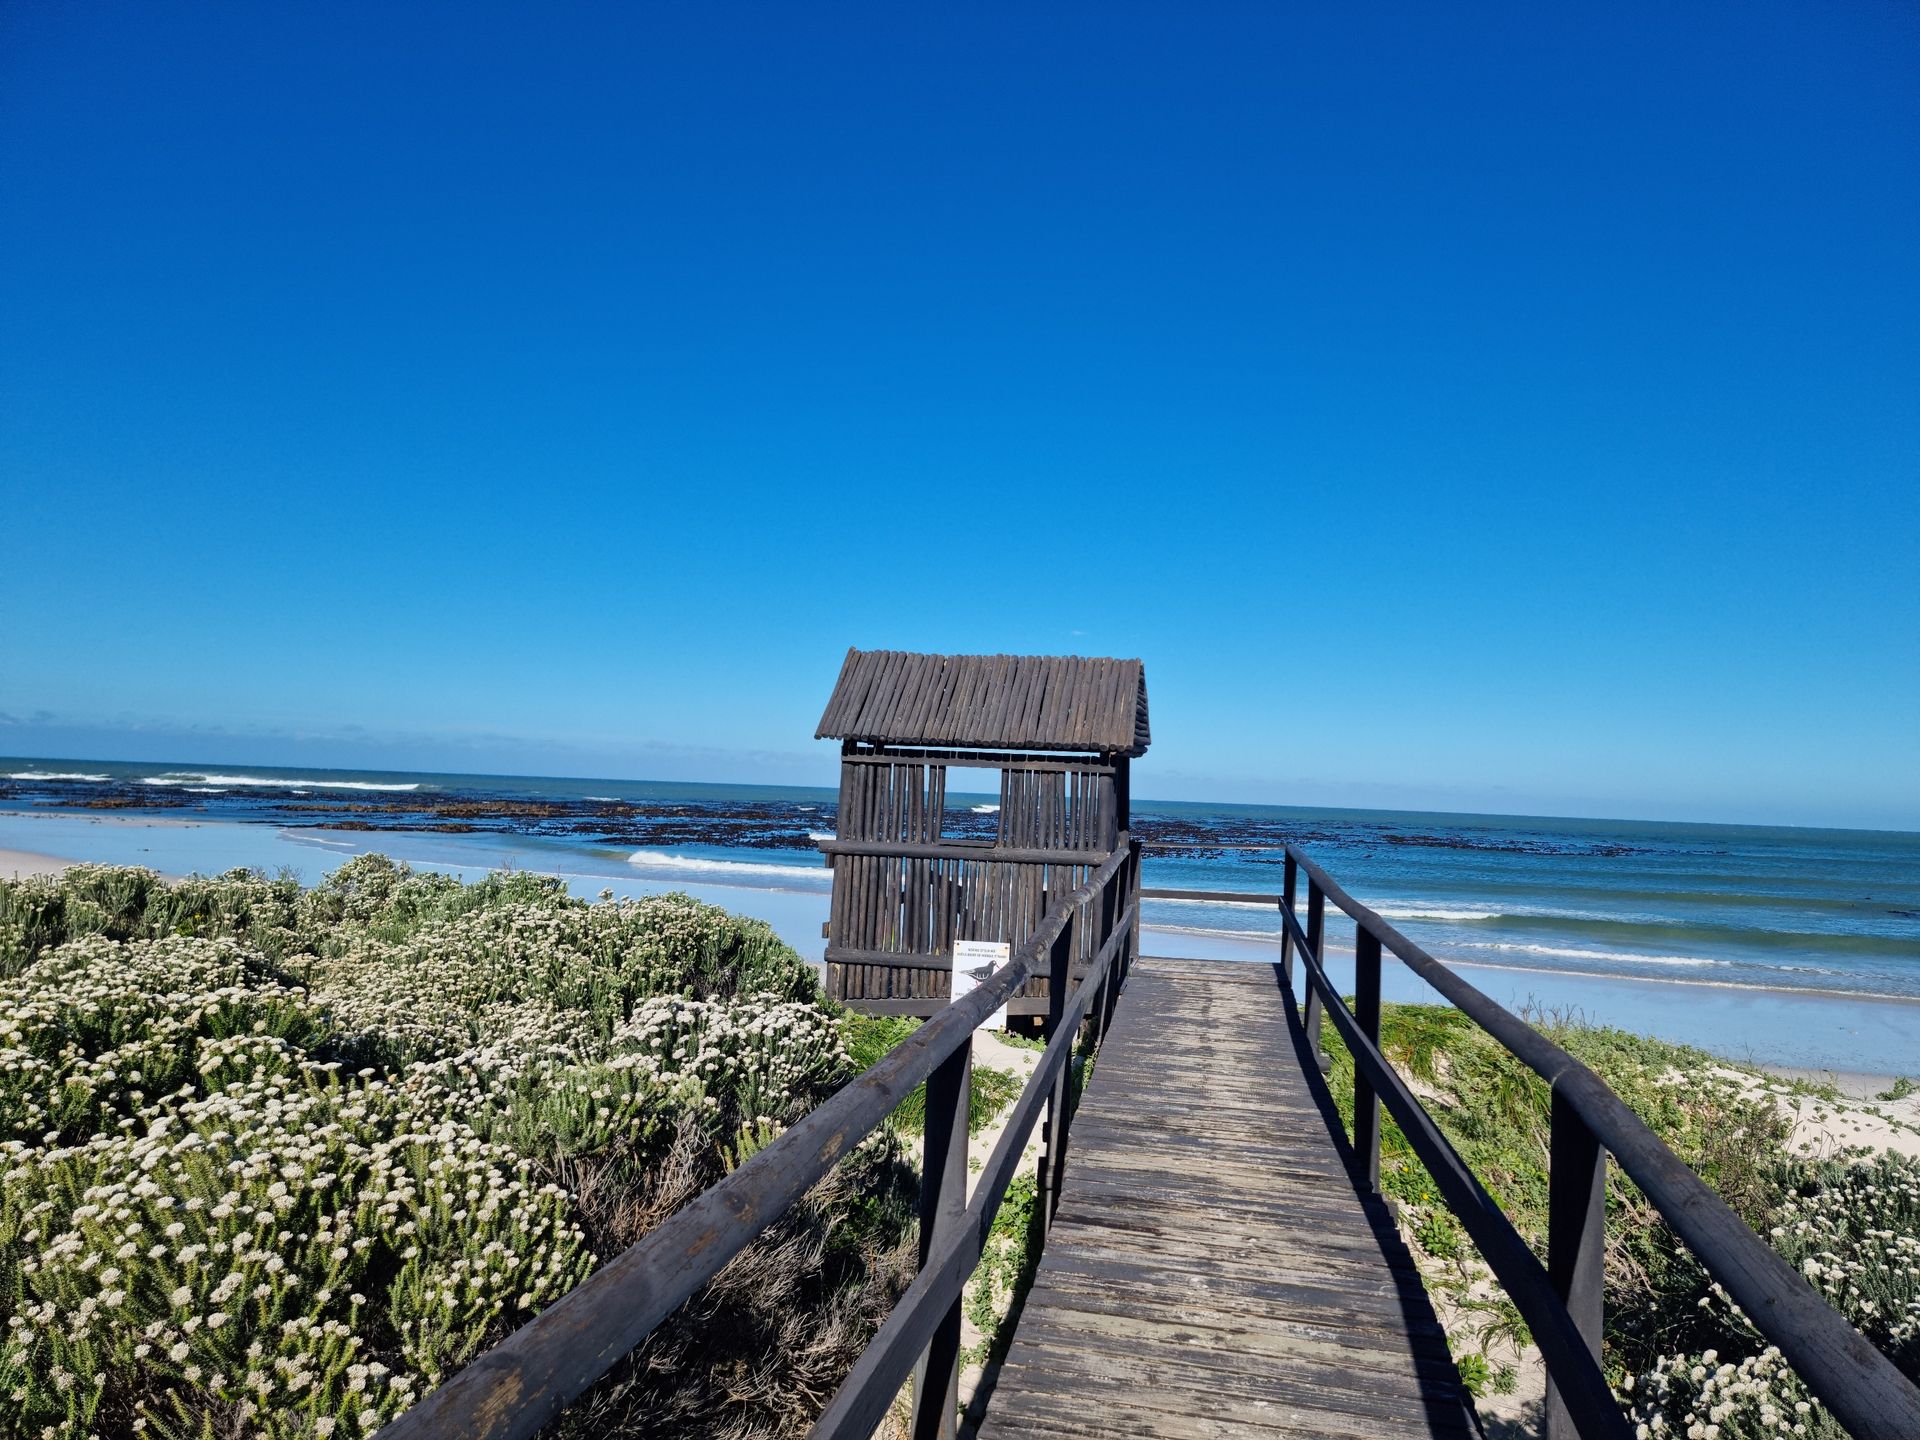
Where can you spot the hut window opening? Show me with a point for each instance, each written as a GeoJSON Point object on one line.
{"type": "Point", "coordinates": [973, 803]}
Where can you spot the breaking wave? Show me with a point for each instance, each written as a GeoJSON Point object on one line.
{"type": "Point", "coordinates": [1567, 952]}
{"type": "Point", "coordinates": [737, 869]}
{"type": "Point", "coordinates": [187, 779]}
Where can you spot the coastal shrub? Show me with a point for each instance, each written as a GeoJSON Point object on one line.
{"type": "Point", "coordinates": [276, 1161]}
{"type": "Point", "coordinates": [1755, 1398]}
{"type": "Point", "coordinates": [287, 1252]}
{"type": "Point", "coordinates": [1008, 1262]}
{"type": "Point", "coordinates": [1680, 1353]}
{"type": "Point", "coordinates": [761, 1349]}
{"type": "Point", "coordinates": [117, 902]}
{"type": "Point", "coordinates": [1852, 1227]}
{"type": "Point", "coordinates": [92, 1028]}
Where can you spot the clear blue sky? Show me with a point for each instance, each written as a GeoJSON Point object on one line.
{"type": "Point", "coordinates": [1510, 408]}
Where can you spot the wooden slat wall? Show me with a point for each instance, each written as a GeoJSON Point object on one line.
{"type": "Point", "coordinates": [918, 907]}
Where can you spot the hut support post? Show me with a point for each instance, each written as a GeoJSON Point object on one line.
{"type": "Point", "coordinates": [943, 1205]}
{"type": "Point", "coordinates": [1133, 890]}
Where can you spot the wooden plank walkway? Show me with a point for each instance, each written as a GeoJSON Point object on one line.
{"type": "Point", "coordinates": [1212, 1270]}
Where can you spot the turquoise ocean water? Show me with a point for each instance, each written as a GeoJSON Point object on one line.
{"type": "Point", "coordinates": [1792, 945]}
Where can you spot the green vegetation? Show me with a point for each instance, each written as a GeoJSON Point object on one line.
{"type": "Point", "coordinates": [1677, 1351]}
{"type": "Point", "coordinates": [274, 1161]}
{"type": "Point", "coordinates": [1007, 1264]}
{"type": "Point", "coordinates": [868, 1040]}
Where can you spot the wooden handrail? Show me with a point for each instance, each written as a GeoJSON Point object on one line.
{"type": "Point", "coordinates": [856, 1411]}
{"type": "Point", "coordinates": [1561, 1300]}
{"type": "Point", "coordinates": [515, 1388]}
{"type": "Point", "coordinates": [1573, 1365]}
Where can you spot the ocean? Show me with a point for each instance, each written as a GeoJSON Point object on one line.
{"type": "Point", "coordinates": [1800, 946]}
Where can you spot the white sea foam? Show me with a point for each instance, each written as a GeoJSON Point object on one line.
{"type": "Point", "coordinates": [1416, 910]}
{"type": "Point", "coordinates": [986, 809]}
{"type": "Point", "coordinates": [1557, 952]}
{"type": "Point", "coordinates": [187, 779]}
{"type": "Point", "coordinates": [1563, 952]}
{"type": "Point", "coordinates": [1266, 905]}
{"type": "Point", "coordinates": [54, 775]}
{"type": "Point", "coordinates": [604, 799]}
{"type": "Point", "coordinates": [1509, 967]}
{"type": "Point", "coordinates": [1390, 910]}
{"type": "Point", "coordinates": [1216, 932]}
{"type": "Point", "coordinates": [1825, 992]}
{"type": "Point", "coordinates": [738, 869]}
{"type": "Point", "coordinates": [307, 837]}
{"type": "Point", "coordinates": [203, 790]}
{"type": "Point", "coordinates": [820, 835]}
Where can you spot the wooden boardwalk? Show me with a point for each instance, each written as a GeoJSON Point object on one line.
{"type": "Point", "coordinates": [1212, 1270]}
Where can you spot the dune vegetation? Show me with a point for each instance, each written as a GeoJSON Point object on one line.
{"type": "Point", "coordinates": [1682, 1358]}
{"type": "Point", "coordinates": [276, 1160]}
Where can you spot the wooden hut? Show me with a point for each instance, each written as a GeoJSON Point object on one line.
{"type": "Point", "coordinates": [1061, 732]}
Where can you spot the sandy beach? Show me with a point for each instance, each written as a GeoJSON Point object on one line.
{"type": "Point", "coordinates": [23, 864]}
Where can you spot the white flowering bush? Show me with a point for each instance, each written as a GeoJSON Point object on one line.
{"type": "Point", "coordinates": [1702, 1397]}
{"type": "Point", "coordinates": [276, 1161]}
{"type": "Point", "coordinates": [765, 1054]}
{"type": "Point", "coordinates": [94, 1027]}
{"type": "Point", "coordinates": [1853, 1228]}
{"type": "Point", "coordinates": [286, 1249]}
{"type": "Point", "coordinates": [1851, 1225]}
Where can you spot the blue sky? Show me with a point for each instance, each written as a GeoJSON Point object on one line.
{"type": "Point", "coordinates": [1502, 408]}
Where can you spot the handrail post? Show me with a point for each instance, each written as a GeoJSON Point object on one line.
{"type": "Point", "coordinates": [1576, 1241]}
{"type": "Point", "coordinates": [1126, 907]}
{"type": "Point", "coordinates": [1053, 1131]}
{"type": "Point", "coordinates": [1289, 888]}
{"type": "Point", "coordinates": [1316, 933]}
{"type": "Point", "coordinates": [943, 1205]}
{"type": "Point", "coordinates": [1059, 978]}
{"type": "Point", "coordinates": [1101, 1010]}
{"type": "Point", "coordinates": [1366, 1009]}
{"type": "Point", "coordinates": [1135, 858]}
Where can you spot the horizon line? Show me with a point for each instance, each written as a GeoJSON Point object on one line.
{"type": "Point", "coordinates": [1138, 801]}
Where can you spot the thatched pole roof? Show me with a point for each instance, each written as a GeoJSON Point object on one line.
{"type": "Point", "coordinates": [1009, 702]}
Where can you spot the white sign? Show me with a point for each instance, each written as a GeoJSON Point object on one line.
{"type": "Point", "coordinates": [974, 961]}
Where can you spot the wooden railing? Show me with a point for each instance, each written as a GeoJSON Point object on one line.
{"type": "Point", "coordinates": [1562, 1301]}
{"type": "Point", "coordinates": [1090, 936]}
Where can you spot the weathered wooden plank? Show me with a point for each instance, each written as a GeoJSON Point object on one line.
{"type": "Point", "coordinates": [1212, 1269]}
